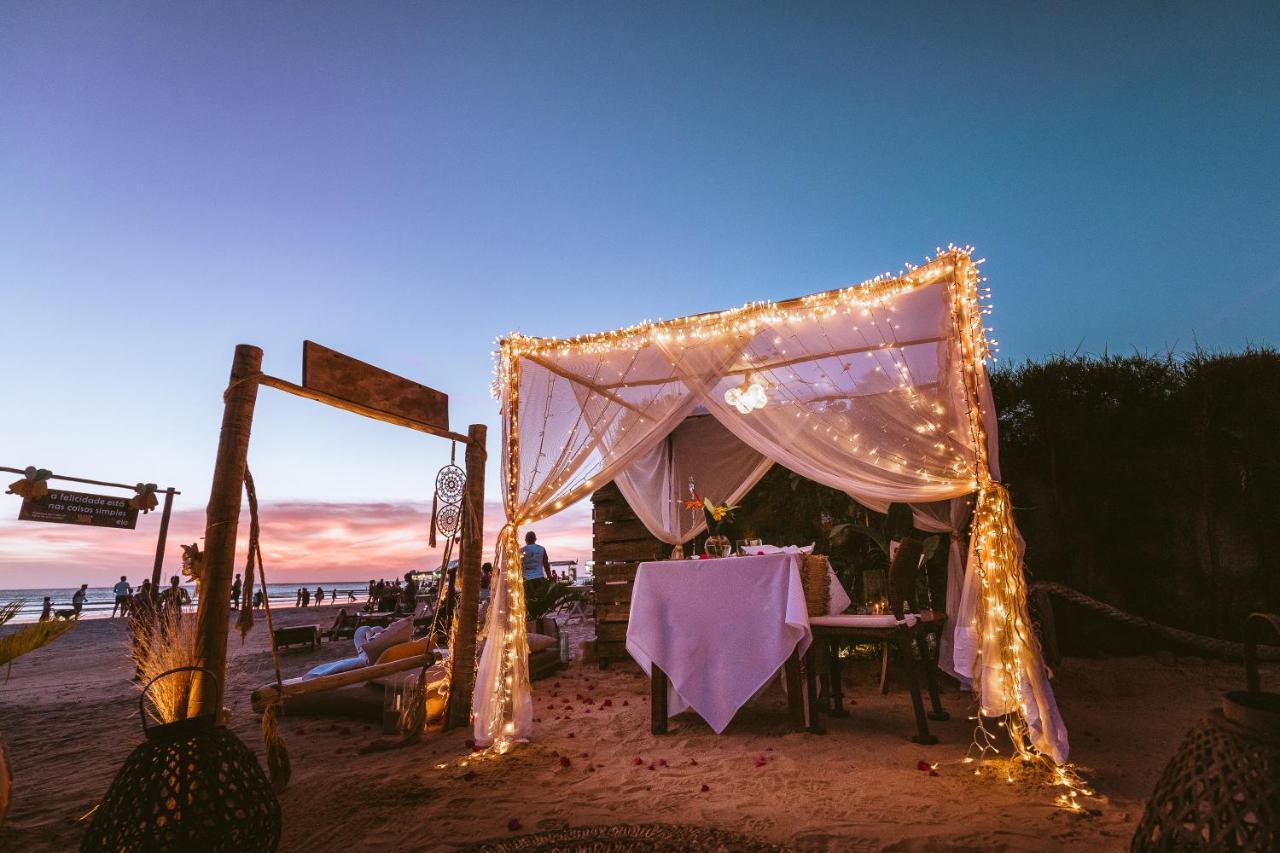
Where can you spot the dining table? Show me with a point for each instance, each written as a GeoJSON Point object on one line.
{"type": "Point", "coordinates": [711, 633]}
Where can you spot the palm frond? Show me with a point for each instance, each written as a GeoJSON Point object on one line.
{"type": "Point", "coordinates": [10, 610]}
{"type": "Point", "coordinates": [28, 638]}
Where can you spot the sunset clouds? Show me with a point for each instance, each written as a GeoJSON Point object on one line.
{"type": "Point", "coordinates": [301, 541]}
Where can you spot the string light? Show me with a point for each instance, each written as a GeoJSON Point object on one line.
{"type": "Point", "coordinates": [1007, 649]}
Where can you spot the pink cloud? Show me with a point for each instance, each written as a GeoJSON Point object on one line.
{"type": "Point", "coordinates": [301, 541]}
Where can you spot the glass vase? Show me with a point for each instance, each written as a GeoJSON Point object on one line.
{"type": "Point", "coordinates": [718, 545]}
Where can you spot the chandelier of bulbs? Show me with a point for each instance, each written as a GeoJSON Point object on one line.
{"type": "Point", "coordinates": [747, 397]}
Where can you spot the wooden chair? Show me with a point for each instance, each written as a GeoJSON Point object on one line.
{"type": "Point", "coordinates": [904, 629]}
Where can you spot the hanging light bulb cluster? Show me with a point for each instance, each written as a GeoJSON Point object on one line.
{"type": "Point", "coordinates": [747, 397]}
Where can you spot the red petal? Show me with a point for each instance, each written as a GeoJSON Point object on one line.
{"type": "Point", "coordinates": [923, 766]}
{"type": "Point", "coordinates": [638, 762]}
{"type": "Point", "coordinates": [514, 825]}
{"type": "Point", "coordinates": [706, 788]}
{"type": "Point", "coordinates": [564, 761]}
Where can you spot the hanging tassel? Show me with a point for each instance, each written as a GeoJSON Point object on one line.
{"type": "Point", "coordinates": [431, 537]}
{"type": "Point", "coordinates": [279, 768]}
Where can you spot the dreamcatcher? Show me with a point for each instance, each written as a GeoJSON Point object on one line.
{"type": "Point", "coordinates": [446, 521]}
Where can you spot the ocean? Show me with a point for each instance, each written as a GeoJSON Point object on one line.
{"type": "Point", "coordinates": [101, 599]}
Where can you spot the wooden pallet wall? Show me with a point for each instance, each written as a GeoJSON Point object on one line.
{"type": "Point", "coordinates": [620, 542]}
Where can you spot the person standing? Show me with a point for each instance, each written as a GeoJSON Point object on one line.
{"type": "Point", "coordinates": [236, 586]}
{"type": "Point", "coordinates": [319, 595]}
{"type": "Point", "coordinates": [122, 591]}
{"type": "Point", "coordinates": [306, 596]}
{"type": "Point", "coordinates": [46, 609]}
{"type": "Point", "coordinates": [298, 603]}
{"type": "Point", "coordinates": [78, 599]}
{"type": "Point", "coordinates": [533, 559]}
{"type": "Point", "coordinates": [174, 597]}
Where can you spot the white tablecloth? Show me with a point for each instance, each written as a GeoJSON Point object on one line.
{"type": "Point", "coordinates": [719, 629]}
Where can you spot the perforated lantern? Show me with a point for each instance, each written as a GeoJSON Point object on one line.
{"type": "Point", "coordinates": [1221, 790]}
{"type": "Point", "coordinates": [191, 785]}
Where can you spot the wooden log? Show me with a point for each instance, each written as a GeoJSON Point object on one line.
{"type": "Point", "coordinates": [463, 673]}
{"type": "Point", "coordinates": [263, 696]}
{"type": "Point", "coordinates": [222, 517]}
{"type": "Point", "coordinates": [161, 538]}
{"type": "Point", "coordinates": [357, 409]}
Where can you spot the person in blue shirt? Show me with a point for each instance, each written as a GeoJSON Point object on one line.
{"type": "Point", "coordinates": [122, 591]}
{"type": "Point", "coordinates": [533, 559]}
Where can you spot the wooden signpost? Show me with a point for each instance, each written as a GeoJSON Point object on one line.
{"type": "Point", "coordinates": [346, 383]}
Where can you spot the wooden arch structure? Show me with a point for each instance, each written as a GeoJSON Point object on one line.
{"type": "Point", "coordinates": [345, 383]}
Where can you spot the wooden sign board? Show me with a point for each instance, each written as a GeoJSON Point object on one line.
{"type": "Point", "coordinates": [346, 378]}
{"type": "Point", "coordinates": [63, 507]}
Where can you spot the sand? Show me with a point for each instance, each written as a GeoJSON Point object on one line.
{"type": "Point", "coordinates": [69, 714]}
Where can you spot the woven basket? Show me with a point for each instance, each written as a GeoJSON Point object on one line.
{"type": "Point", "coordinates": [1221, 790]}
{"type": "Point", "coordinates": [191, 785]}
{"type": "Point", "coordinates": [817, 585]}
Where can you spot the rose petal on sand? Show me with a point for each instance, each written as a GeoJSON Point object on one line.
{"type": "Point", "coordinates": [923, 766]}
{"type": "Point", "coordinates": [706, 788]}
{"type": "Point", "coordinates": [564, 761]}
{"type": "Point", "coordinates": [514, 825]}
{"type": "Point", "coordinates": [637, 762]}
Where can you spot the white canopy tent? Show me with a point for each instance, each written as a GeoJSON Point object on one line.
{"type": "Point", "coordinates": [879, 390]}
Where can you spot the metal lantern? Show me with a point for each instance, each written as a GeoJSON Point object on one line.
{"type": "Point", "coordinates": [191, 785]}
{"type": "Point", "coordinates": [1221, 791]}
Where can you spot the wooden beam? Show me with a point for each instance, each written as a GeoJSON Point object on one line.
{"type": "Point", "coordinates": [356, 408]}
{"type": "Point", "coordinates": [222, 516]}
{"type": "Point", "coordinates": [786, 362]}
{"type": "Point", "coordinates": [463, 654]}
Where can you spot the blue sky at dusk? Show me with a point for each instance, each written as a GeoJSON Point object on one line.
{"type": "Point", "coordinates": [407, 181]}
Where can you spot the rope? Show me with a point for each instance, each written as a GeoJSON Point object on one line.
{"type": "Point", "coordinates": [249, 377]}
{"type": "Point", "coordinates": [1208, 645]}
{"type": "Point", "coordinates": [278, 765]}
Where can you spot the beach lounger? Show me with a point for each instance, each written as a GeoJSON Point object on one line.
{"type": "Point", "coordinates": [296, 635]}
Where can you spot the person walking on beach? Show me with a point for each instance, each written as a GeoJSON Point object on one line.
{"type": "Point", "coordinates": [298, 603]}
{"type": "Point", "coordinates": [46, 609]}
{"type": "Point", "coordinates": [257, 599]}
{"type": "Point", "coordinates": [77, 600]}
{"type": "Point", "coordinates": [319, 596]}
{"type": "Point", "coordinates": [236, 586]}
{"type": "Point", "coordinates": [122, 591]}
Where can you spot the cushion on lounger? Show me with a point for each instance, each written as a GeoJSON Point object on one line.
{"type": "Point", "coordinates": [400, 651]}
{"type": "Point", "coordinates": [540, 642]}
{"type": "Point", "coordinates": [400, 631]}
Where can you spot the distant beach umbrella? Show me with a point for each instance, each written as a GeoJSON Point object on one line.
{"type": "Point", "coordinates": [191, 785]}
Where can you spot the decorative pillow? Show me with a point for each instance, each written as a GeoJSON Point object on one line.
{"type": "Point", "coordinates": [541, 642]}
{"type": "Point", "coordinates": [400, 631]}
{"type": "Point", "coordinates": [400, 651]}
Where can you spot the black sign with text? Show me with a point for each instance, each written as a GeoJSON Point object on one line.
{"type": "Point", "coordinates": [63, 507]}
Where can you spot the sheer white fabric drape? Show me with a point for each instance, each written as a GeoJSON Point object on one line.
{"type": "Point", "coordinates": [866, 398]}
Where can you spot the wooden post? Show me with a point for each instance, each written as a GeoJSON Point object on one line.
{"type": "Point", "coordinates": [160, 541]}
{"type": "Point", "coordinates": [221, 519]}
{"type": "Point", "coordinates": [463, 655]}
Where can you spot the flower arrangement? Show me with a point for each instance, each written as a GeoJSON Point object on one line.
{"type": "Point", "coordinates": [717, 514]}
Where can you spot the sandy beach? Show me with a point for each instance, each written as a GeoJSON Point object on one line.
{"type": "Point", "coordinates": [69, 715]}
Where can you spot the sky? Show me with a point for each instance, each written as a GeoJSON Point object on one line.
{"type": "Point", "coordinates": [405, 182]}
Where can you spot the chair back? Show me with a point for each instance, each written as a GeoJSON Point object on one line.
{"type": "Point", "coordinates": [902, 576]}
